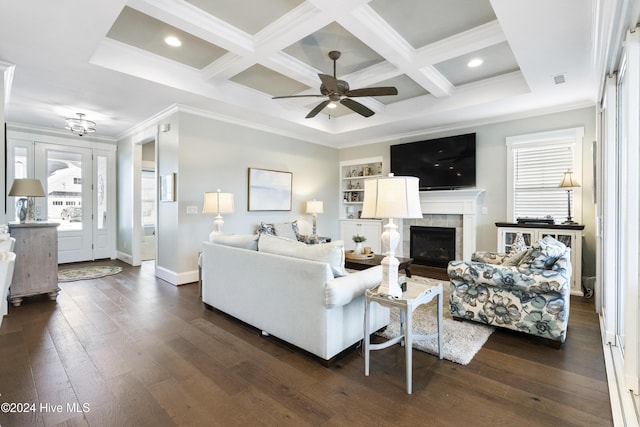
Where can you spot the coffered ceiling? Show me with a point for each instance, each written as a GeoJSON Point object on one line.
{"type": "Point", "coordinates": [109, 59]}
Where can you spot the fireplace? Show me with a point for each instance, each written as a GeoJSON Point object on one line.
{"type": "Point", "coordinates": [432, 246]}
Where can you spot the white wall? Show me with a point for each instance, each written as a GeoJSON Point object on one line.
{"type": "Point", "coordinates": [207, 154]}
{"type": "Point", "coordinates": [491, 158]}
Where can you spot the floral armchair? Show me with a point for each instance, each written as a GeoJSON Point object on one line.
{"type": "Point", "coordinates": [526, 290]}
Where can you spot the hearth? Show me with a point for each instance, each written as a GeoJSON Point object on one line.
{"type": "Point", "coordinates": [432, 246]}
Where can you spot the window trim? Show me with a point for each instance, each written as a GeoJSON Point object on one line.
{"type": "Point", "coordinates": [574, 135]}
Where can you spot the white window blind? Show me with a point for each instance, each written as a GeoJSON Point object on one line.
{"type": "Point", "coordinates": [537, 175]}
{"type": "Point", "coordinates": [537, 163]}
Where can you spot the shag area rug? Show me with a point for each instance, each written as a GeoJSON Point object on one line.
{"type": "Point", "coordinates": [85, 273]}
{"type": "Point", "coordinates": [462, 339]}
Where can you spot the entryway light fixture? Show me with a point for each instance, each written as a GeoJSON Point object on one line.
{"type": "Point", "coordinates": [79, 125]}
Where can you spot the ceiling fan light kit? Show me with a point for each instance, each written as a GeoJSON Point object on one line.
{"type": "Point", "coordinates": [338, 91]}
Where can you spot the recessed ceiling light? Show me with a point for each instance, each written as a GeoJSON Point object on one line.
{"type": "Point", "coordinates": [475, 62]}
{"type": "Point", "coordinates": [173, 41]}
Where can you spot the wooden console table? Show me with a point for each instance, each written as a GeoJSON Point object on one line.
{"type": "Point", "coordinates": [36, 267]}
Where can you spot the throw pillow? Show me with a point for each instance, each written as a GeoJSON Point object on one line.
{"type": "Point", "coordinates": [285, 230]}
{"type": "Point", "coordinates": [243, 241]}
{"type": "Point", "coordinates": [331, 253]}
{"type": "Point", "coordinates": [544, 254]}
{"type": "Point", "coordinates": [265, 228]}
{"type": "Point", "coordinates": [518, 245]}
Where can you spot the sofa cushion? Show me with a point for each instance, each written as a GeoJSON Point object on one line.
{"type": "Point", "coordinates": [242, 241]}
{"type": "Point", "coordinates": [331, 253]}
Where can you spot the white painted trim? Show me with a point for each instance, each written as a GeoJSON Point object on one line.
{"type": "Point", "coordinates": [124, 257]}
{"type": "Point", "coordinates": [177, 279]}
{"type": "Point", "coordinates": [621, 401]}
{"type": "Point", "coordinates": [573, 135]}
{"type": "Point", "coordinates": [456, 202]}
{"type": "Point", "coordinates": [8, 70]}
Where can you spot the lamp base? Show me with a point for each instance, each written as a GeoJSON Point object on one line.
{"type": "Point", "coordinates": [569, 222]}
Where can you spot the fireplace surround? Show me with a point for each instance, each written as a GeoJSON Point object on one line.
{"type": "Point", "coordinates": [448, 208]}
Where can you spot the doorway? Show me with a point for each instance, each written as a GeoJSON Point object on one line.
{"type": "Point", "coordinates": [148, 195]}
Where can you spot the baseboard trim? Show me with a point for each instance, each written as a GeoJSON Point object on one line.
{"type": "Point", "coordinates": [177, 279]}
{"type": "Point", "coordinates": [124, 257]}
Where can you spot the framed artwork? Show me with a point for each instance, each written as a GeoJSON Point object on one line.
{"type": "Point", "coordinates": [269, 190]}
{"type": "Point", "coordinates": [168, 188]}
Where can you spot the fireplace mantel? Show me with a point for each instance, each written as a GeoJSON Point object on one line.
{"type": "Point", "coordinates": [456, 202]}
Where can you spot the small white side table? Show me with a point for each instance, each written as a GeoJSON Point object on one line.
{"type": "Point", "coordinates": [416, 294]}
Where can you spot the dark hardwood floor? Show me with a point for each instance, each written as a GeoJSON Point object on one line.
{"type": "Point", "coordinates": [132, 350]}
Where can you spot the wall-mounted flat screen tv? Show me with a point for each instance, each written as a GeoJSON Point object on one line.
{"type": "Point", "coordinates": [440, 164]}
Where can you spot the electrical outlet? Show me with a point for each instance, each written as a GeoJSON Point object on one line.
{"type": "Point", "coordinates": [192, 210]}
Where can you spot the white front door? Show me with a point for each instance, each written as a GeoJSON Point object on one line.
{"type": "Point", "coordinates": [66, 174]}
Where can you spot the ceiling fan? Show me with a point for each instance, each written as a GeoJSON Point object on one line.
{"type": "Point", "coordinates": [338, 91]}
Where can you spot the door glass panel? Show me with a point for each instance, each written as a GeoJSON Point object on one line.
{"type": "Point", "coordinates": [20, 163]}
{"type": "Point", "coordinates": [101, 178]}
{"type": "Point", "coordinates": [64, 186]}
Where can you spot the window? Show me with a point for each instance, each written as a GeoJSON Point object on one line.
{"type": "Point", "coordinates": [148, 197]}
{"type": "Point", "coordinates": [536, 163]}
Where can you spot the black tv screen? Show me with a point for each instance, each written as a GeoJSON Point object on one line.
{"type": "Point", "coordinates": [440, 164]}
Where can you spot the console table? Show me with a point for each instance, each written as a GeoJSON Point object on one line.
{"type": "Point", "coordinates": [36, 267]}
{"type": "Point", "coordinates": [417, 293]}
{"type": "Point", "coordinates": [569, 234]}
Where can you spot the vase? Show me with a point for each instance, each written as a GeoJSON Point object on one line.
{"type": "Point", "coordinates": [359, 248]}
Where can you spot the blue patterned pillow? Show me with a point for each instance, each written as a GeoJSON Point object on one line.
{"type": "Point", "coordinates": [545, 254]}
{"type": "Point", "coordinates": [265, 228]}
{"type": "Point", "coordinates": [518, 245]}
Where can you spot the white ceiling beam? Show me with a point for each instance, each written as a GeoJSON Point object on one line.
{"type": "Point", "coordinates": [460, 44]}
{"type": "Point", "coordinates": [189, 18]}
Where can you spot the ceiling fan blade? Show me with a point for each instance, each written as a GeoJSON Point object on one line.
{"type": "Point", "coordinates": [373, 91]}
{"type": "Point", "coordinates": [317, 109]}
{"type": "Point", "coordinates": [329, 82]}
{"type": "Point", "coordinates": [357, 107]}
{"type": "Point", "coordinates": [298, 96]}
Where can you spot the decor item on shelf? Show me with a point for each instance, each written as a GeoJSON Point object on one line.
{"type": "Point", "coordinates": [358, 240]}
{"type": "Point", "coordinates": [350, 211]}
{"type": "Point", "coordinates": [218, 203]}
{"type": "Point", "coordinates": [29, 188]}
{"type": "Point", "coordinates": [338, 91]}
{"type": "Point", "coordinates": [569, 183]}
{"type": "Point", "coordinates": [391, 197]}
{"type": "Point", "coordinates": [314, 207]}
{"type": "Point", "coordinates": [79, 125]}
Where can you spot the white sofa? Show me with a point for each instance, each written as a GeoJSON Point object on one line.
{"type": "Point", "coordinates": [296, 300]}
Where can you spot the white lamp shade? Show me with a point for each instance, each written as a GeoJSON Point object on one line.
{"type": "Point", "coordinates": [27, 188]}
{"type": "Point", "coordinates": [568, 181]}
{"type": "Point", "coordinates": [314, 207]}
{"type": "Point", "coordinates": [392, 197]}
{"type": "Point", "coordinates": [218, 203]}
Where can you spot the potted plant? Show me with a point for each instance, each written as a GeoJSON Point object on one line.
{"type": "Point", "coordinates": [358, 239]}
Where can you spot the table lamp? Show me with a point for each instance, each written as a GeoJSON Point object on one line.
{"type": "Point", "coordinates": [391, 197]}
{"type": "Point", "coordinates": [314, 207]}
{"type": "Point", "coordinates": [218, 203]}
{"type": "Point", "coordinates": [29, 189]}
{"type": "Point", "coordinates": [569, 183]}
